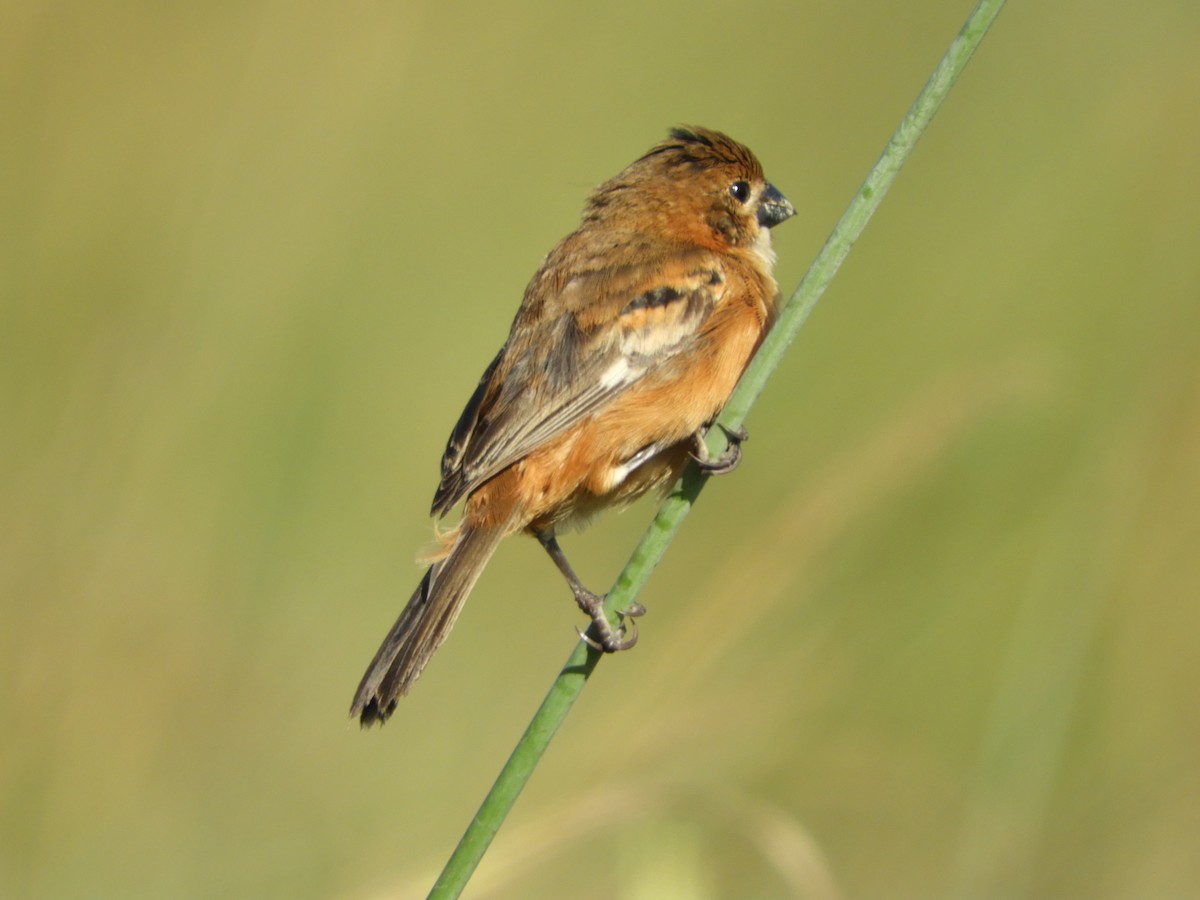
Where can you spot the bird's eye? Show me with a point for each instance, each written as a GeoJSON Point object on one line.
{"type": "Point", "coordinates": [740, 191]}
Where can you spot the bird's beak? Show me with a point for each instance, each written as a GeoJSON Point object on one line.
{"type": "Point", "coordinates": [774, 208]}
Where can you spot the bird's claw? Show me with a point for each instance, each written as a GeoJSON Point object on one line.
{"type": "Point", "coordinates": [729, 458]}
{"type": "Point", "coordinates": [609, 639]}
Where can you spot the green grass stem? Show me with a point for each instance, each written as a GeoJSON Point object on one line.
{"type": "Point", "coordinates": [582, 661]}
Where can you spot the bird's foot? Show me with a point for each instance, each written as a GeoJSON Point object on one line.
{"type": "Point", "coordinates": [729, 458]}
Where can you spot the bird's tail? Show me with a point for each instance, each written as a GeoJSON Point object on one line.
{"type": "Point", "coordinates": [423, 624]}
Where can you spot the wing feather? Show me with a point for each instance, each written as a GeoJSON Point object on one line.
{"type": "Point", "coordinates": [609, 333]}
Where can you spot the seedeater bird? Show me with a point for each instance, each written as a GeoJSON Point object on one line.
{"type": "Point", "coordinates": [628, 341]}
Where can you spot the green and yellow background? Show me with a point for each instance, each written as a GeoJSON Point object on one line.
{"type": "Point", "coordinates": [938, 637]}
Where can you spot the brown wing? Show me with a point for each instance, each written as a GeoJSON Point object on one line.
{"type": "Point", "coordinates": [610, 330]}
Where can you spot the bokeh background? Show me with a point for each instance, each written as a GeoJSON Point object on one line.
{"type": "Point", "coordinates": [936, 638]}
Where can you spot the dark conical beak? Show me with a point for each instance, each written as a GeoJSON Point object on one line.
{"type": "Point", "coordinates": [774, 208]}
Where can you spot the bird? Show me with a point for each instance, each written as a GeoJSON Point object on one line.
{"type": "Point", "coordinates": [627, 343]}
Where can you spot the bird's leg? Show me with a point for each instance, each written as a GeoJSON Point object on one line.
{"type": "Point", "coordinates": [610, 640]}
{"type": "Point", "coordinates": [728, 460]}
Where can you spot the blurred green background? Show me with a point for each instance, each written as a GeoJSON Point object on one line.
{"type": "Point", "coordinates": [936, 638]}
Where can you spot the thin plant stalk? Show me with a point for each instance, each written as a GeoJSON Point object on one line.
{"type": "Point", "coordinates": [582, 661]}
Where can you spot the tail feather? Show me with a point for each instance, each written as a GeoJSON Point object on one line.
{"type": "Point", "coordinates": [423, 625]}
